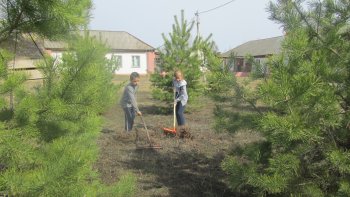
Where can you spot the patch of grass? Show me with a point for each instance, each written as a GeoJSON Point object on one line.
{"type": "Point", "coordinates": [125, 186]}
{"type": "Point", "coordinates": [232, 121]}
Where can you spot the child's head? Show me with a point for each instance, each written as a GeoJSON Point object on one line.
{"type": "Point", "coordinates": [178, 75]}
{"type": "Point", "coordinates": [134, 78]}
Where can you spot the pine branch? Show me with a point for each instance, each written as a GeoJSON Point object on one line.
{"type": "Point", "coordinates": [37, 46]}
{"type": "Point", "coordinates": [238, 89]}
{"type": "Point", "coordinates": [13, 26]}
{"type": "Point", "coordinates": [76, 74]}
{"type": "Point", "coordinates": [303, 17]}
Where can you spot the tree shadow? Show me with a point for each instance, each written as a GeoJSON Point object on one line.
{"type": "Point", "coordinates": [232, 121]}
{"type": "Point", "coordinates": [6, 114]}
{"type": "Point", "coordinates": [50, 130]}
{"type": "Point", "coordinates": [249, 108]}
{"type": "Point", "coordinates": [186, 174]}
{"type": "Point", "coordinates": [238, 121]}
{"type": "Point", "coordinates": [232, 117]}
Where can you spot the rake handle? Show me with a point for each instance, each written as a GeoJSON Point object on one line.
{"type": "Point", "coordinates": [174, 115]}
{"type": "Point", "coordinates": [144, 124]}
{"type": "Point", "coordinates": [174, 109]}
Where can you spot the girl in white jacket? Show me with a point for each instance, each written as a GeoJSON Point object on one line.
{"type": "Point", "coordinates": [181, 97]}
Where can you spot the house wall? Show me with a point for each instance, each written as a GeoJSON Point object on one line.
{"type": "Point", "coordinates": [22, 63]}
{"type": "Point", "coordinates": [126, 61]}
{"type": "Point", "coordinates": [56, 54]}
{"type": "Point", "coordinates": [151, 58]}
{"type": "Point", "coordinates": [26, 66]}
{"type": "Point", "coordinates": [242, 67]}
{"type": "Point", "coordinates": [31, 74]}
{"type": "Point", "coordinates": [263, 61]}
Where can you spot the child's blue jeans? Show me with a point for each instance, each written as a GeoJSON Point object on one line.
{"type": "Point", "coordinates": [180, 109]}
{"type": "Point", "coordinates": [129, 118]}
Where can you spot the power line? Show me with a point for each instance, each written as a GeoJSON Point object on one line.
{"type": "Point", "coordinates": [196, 18]}
{"type": "Point", "coordinates": [188, 25]}
{"type": "Point", "coordinates": [212, 9]}
{"type": "Point", "coordinates": [215, 7]}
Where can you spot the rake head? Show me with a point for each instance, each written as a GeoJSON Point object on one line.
{"type": "Point", "coordinates": [169, 130]}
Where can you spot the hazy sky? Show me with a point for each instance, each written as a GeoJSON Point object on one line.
{"type": "Point", "coordinates": [231, 25]}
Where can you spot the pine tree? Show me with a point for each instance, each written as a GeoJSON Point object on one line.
{"type": "Point", "coordinates": [48, 138]}
{"type": "Point", "coordinates": [54, 130]}
{"type": "Point", "coordinates": [306, 129]}
{"type": "Point", "coordinates": [181, 51]}
{"type": "Point", "coordinates": [229, 94]}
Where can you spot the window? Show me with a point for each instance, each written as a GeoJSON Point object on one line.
{"type": "Point", "coordinates": [119, 61]}
{"type": "Point", "coordinates": [239, 65]}
{"type": "Point", "coordinates": [135, 61]}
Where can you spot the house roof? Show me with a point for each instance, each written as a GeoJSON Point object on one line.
{"type": "Point", "coordinates": [262, 47]}
{"type": "Point", "coordinates": [116, 40]}
{"type": "Point", "coordinates": [23, 47]}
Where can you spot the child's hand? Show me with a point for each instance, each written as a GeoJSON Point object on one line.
{"type": "Point", "coordinates": [139, 113]}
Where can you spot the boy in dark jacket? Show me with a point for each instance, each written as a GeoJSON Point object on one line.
{"type": "Point", "coordinates": [128, 101]}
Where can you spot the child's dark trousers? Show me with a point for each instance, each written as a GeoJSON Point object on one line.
{"type": "Point", "coordinates": [180, 109]}
{"type": "Point", "coordinates": [129, 118]}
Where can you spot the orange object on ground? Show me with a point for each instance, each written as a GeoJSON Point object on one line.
{"type": "Point", "coordinates": [168, 130]}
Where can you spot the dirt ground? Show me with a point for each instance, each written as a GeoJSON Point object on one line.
{"type": "Point", "coordinates": [183, 167]}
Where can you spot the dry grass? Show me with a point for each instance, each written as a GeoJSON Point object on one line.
{"type": "Point", "coordinates": [183, 167]}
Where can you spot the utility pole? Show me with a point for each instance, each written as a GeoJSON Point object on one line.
{"type": "Point", "coordinates": [197, 22]}
{"type": "Point", "coordinates": [200, 52]}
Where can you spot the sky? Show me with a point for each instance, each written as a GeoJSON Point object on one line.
{"type": "Point", "coordinates": [231, 25]}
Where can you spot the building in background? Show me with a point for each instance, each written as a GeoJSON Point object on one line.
{"type": "Point", "coordinates": [25, 55]}
{"type": "Point", "coordinates": [260, 50]}
{"type": "Point", "coordinates": [132, 54]}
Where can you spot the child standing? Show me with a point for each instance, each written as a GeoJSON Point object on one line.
{"type": "Point", "coordinates": [181, 97]}
{"type": "Point", "coordinates": [128, 101]}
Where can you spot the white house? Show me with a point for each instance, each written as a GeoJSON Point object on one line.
{"type": "Point", "coordinates": [133, 55]}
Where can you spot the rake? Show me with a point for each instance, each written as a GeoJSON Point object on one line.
{"type": "Point", "coordinates": [151, 145]}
